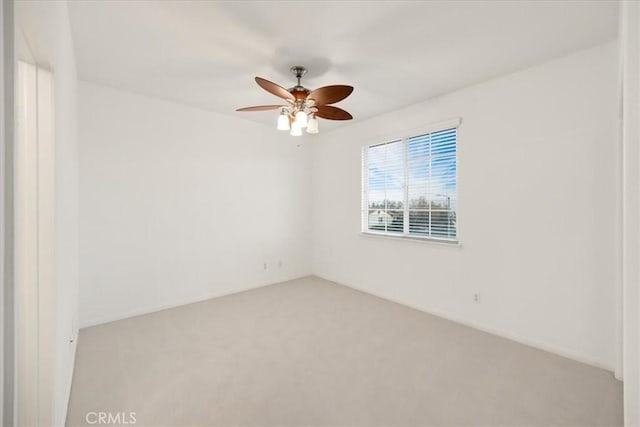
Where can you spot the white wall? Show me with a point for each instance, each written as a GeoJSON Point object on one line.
{"type": "Point", "coordinates": [537, 209]}
{"type": "Point", "coordinates": [46, 29]}
{"type": "Point", "coordinates": [180, 204]}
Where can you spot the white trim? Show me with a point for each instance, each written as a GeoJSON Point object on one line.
{"type": "Point", "coordinates": [619, 240]}
{"type": "Point", "coordinates": [446, 125]}
{"type": "Point", "coordinates": [630, 62]}
{"type": "Point", "coordinates": [413, 237]}
{"type": "Point", "coordinates": [405, 192]}
{"type": "Point", "coordinates": [3, 207]}
{"type": "Point", "coordinates": [7, 293]}
{"type": "Point", "coordinates": [493, 331]}
{"type": "Point", "coordinates": [364, 186]}
{"type": "Point", "coordinates": [113, 317]}
{"type": "Point", "coordinates": [408, 133]}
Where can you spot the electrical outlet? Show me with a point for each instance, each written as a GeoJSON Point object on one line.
{"type": "Point", "coordinates": [264, 266]}
{"type": "Point", "coordinates": [476, 298]}
{"type": "Point", "coordinates": [279, 263]}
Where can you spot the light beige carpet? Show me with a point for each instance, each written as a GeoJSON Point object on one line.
{"type": "Point", "coordinates": [310, 352]}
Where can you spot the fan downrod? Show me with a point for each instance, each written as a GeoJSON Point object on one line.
{"type": "Point", "coordinates": [299, 91]}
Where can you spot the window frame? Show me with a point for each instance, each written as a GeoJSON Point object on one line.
{"type": "Point", "coordinates": [364, 194]}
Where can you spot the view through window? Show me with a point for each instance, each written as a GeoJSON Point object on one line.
{"type": "Point", "coordinates": [410, 186]}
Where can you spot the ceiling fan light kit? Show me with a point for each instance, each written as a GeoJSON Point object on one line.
{"type": "Point", "coordinates": [304, 106]}
{"type": "Point", "coordinates": [283, 120]}
{"type": "Point", "coordinates": [312, 125]}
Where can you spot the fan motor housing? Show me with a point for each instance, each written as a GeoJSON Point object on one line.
{"type": "Point", "coordinates": [299, 92]}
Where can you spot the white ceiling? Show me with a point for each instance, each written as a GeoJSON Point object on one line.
{"type": "Point", "coordinates": [395, 53]}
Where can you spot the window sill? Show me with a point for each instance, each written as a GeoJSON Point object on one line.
{"type": "Point", "coordinates": [427, 240]}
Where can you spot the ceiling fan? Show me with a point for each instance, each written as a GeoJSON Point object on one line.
{"type": "Point", "coordinates": [303, 105]}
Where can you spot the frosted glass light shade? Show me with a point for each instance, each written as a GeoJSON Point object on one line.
{"type": "Point", "coordinates": [312, 125]}
{"type": "Point", "coordinates": [296, 130]}
{"type": "Point", "coordinates": [283, 122]}
{"type": "Point", "coordinates": [301, 119]}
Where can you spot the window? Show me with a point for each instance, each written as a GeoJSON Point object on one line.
{"type": "Point", "coordinates": [410, 186]}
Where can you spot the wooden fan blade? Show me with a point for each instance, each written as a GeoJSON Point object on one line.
{"type": "Point", "coordinates": [274, 89]}
{"type": "Point", "coordinates": [330, 94]}
{"type": "Point", "coordinates": [332, 113]}
{"type": "Point", "coordinates": [260, 108]}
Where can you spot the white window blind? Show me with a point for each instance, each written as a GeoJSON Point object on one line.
{"type": "Point", "coordinates": [410, 186]}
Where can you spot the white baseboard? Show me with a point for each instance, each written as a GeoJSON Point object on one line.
{"type": "Point", "coordinates": [501, 333]}
{"type": "Point", "coordinates": [113, 317]}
